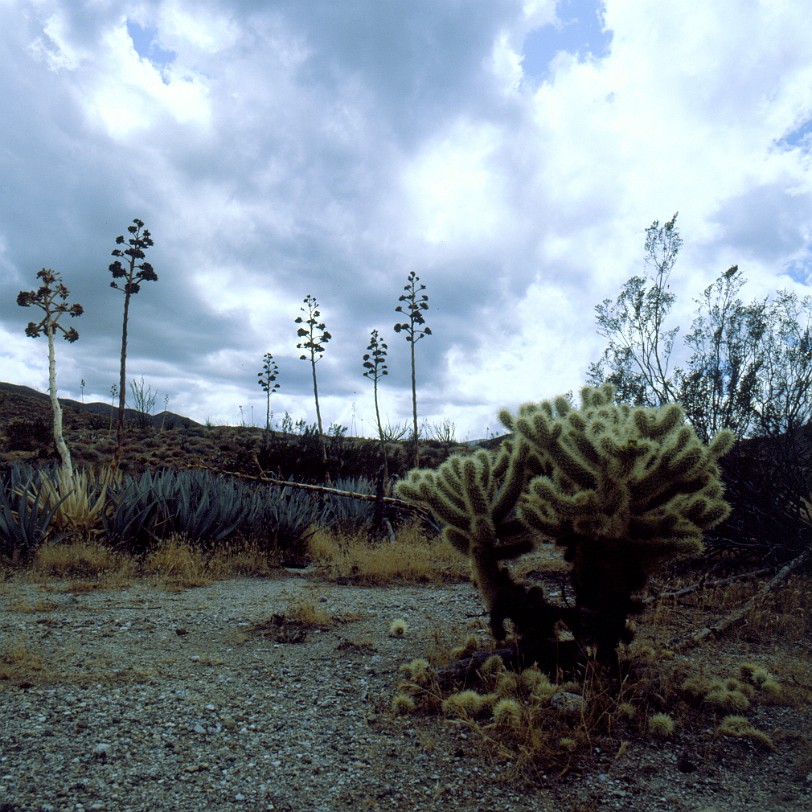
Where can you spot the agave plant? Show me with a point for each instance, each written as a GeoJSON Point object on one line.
{"type": "Point", "coordinates": [25, 521]}
{"type": "Point", "coordinates": [134, 508]}
{"type": "Point", "coordinates": [78, 497]}
{"type": "Point", "coordinates": [203, 507]}
{"type": "Point", "coordinates": [287, 517]}
{"type": "Point", "coordinates": [348, 514]}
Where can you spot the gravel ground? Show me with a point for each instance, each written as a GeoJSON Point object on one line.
{"type": "Point", "coordinates": [143, 699]}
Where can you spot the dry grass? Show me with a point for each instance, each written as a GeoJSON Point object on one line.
{"type": "Point", "coordinates": [655, 694]}
{"type": "Point", "coordinates": [178, 564]}
{"type": "Point", "coordinates": [302, 615]}
{"type": "Point", "coordinates": [19, 665]}
{"type": "Point", "coordinates": [784, 614]}
{"type": "Point", "coordinates": [82, 559]}
{"type": "Point", "coordinates": [304, 611]}
{"type": "Point", "coordinates": [174, 563]}
{"type": "Point", "coordinates": [23, 666]}
{"type": "Point", "coordinates": [244, 560]}
{"type": "Point", "coordinates": [411, 558]}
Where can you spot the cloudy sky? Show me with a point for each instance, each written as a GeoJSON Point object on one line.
{"type": "Point", "coordinates": [510, 152]}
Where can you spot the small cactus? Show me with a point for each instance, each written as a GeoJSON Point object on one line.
{"type": "Point", "coordinates": [661, 725]}
{"type": "Point", "coordinates": [464, 703]}
{"type": "Point", "coordinates": [418, 671]}
{"type": "Point", "coordinates": [403, 703]}
{"type": "Point", "coordinates": [507, 712]}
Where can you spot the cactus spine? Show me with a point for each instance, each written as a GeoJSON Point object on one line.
{"type": "Point", "coordinates": [620, 488]}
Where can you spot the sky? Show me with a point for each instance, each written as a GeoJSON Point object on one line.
{"type": "Point", "coordinates": [511, 153]}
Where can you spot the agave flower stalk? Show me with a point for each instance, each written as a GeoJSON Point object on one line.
{"type": "Point", "coordinates": [51, 297]}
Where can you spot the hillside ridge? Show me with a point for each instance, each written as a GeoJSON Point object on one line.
{"type": "Point", "coordinates": [96, 407]}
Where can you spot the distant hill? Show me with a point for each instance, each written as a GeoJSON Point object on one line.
{"type": "Point", "coordinates": [105, 410]}
{"type": "Point", "coordinates": [171, 440]}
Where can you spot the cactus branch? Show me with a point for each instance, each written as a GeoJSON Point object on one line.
{"type": "Point", "coordinates": [620, 489]}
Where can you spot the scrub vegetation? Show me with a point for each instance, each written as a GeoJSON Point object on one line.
{"type": "Point", "coordinates": [629, 549]}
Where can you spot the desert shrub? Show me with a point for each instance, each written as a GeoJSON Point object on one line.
{"type": "Point", "coordinates": [767, 484]}
{"type": "Point", "coordinates": [28, 435]}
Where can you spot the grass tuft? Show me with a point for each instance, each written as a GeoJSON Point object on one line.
{"type": "Point", "coordinates": [175, 563]}
{"type": "Point", "coordinates": [19, 665]}
{"type": "Point", "coordinates": [411, 558]}
{"type": "Point", "coordinates": [84, 559]}
{"type": "Point", "coordinates": [741, 728]}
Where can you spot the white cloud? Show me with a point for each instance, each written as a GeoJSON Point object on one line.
{"type": "Point", "coordinates": [131, 95]}
{"type": "Point", "coordinates": [330, 149]}
{"type": "Point", "coordinates": [54, 48]}
{"type": "Point", "coordinates": [454, 188]}
{"type": "Point", "coordinates": [185, 26]}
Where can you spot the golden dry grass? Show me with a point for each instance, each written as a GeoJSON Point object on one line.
{"type": "Point", "coordinates": [174, 562]}
{"type": "Point", "coordinates": [81, 559]}
{"type": "Point", "coordinates": [177, 564]}
{"type": "Point", "coordinates": [411, 558]}
{"type": "Point", "coordinates": [304, 611]}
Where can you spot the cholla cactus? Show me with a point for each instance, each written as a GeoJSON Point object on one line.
{"type": "Point", "coordinates": [619, 488]}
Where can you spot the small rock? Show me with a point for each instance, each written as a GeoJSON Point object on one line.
{"type": "Point", "coordinates": [567, 703]}
{"type": "Point", "coordinates": [103, 751]}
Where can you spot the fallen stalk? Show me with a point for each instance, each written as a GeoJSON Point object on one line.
{"type": "Point", "coordinates": [741, 613]}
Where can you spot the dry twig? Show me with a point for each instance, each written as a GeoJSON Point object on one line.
{"type": "Point", "coordinates": [741, 613]}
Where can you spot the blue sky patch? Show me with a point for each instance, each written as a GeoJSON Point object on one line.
{"type": "Point", "coordinates": [800, 137]}
{"type": "Point", "coordinates": [578, 32]}
{"type": "Point", "coordinates": [146, 45]}
{"type": "Point", "coordinates": [800, 269]}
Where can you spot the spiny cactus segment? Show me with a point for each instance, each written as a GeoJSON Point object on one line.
{"type": "Point", "coordinates": [620, 488]}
